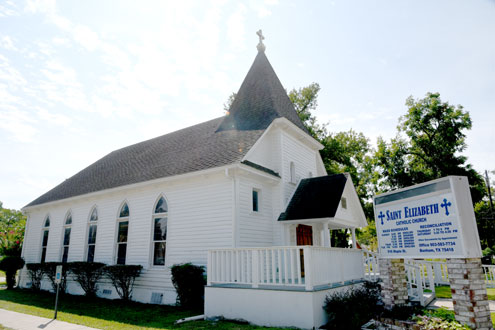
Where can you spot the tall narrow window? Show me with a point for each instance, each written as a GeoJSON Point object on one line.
{"type": "Point", "coordinates": [122, 230]}
{"type": "Point", "coordinates": [44, 239]}
{"type": "Point", "coordinates": [160, 218]}
{"type": "Point", "coordinates": [292, 172]}
{"type": "Point", "coordinates": [256, 200]}
{"type": "Point", "coordinates": [66, 241]}
{"type": "Point", "coordinates": [92, 226]}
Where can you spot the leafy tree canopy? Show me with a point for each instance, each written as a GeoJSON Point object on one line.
{"type": "Point", "coordinates": [12, 224]}
{"type": "Point", "coordinates": [428, 145]}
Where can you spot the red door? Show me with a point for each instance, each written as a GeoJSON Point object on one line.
{"type": "Point", "coordinates": [304, 235]}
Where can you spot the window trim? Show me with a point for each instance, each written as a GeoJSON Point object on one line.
{"type": "Point", "coordinates": [64, 227]}
{"type": "Point", "coordinates": [90, 223]}
{"type": "Point", "coordinates": [44, 229]}
{"type": "Point", "coordinates": [260, 196]}
{"type": "Point", "coordinates": [152, 238]}
{"type": "Point", "coordinates": [116, 240]}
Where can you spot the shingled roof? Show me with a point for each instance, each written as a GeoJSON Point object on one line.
{"type": "Point", "coordinates": [316, 198]}
{"type": "Point", "coordinates": [190, 149]}
{"type": "Point", "coordinates": [214, 143]}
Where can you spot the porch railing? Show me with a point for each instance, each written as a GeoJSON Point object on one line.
{"type": "Point", "coordinates": [489, 271]}
{"type": "Point", "coordinates": [293, 266]}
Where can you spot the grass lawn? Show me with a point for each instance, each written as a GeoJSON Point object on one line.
{"type": "Point", "coordinates": [108, 314]}
{"type": "Point", "coordinates": [444, 292]}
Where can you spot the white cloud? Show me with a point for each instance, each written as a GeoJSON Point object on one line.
{"type": "Point", "coordinates": [7, 43]}
{"type": "Point", "coordinates": [236, 31]}
{"type": "Point", "coordinates": [18, 124]}
{"type": "Point", "coordinates": [8, 8]}
{"type": "Point", "coordinates": [86, 37]}
{"type": "Point", "coordinates": [53, 118]}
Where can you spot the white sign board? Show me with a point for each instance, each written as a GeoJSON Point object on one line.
{"type": "Point", "coordinates": [58, 274]}
{"type": "Point", "coordinates": [430, 220]}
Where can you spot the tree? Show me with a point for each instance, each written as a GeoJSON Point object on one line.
{"type": "Point", "coordinates": [228, 104]}
{"type": "Point", "coordinates": [430, 140]}
{"type": "Point", "coordinates": [305, 101]}
{"type": "Point", "coordinates": [12, 224]}
{"type": "Point", "coordinates": [429, 145]}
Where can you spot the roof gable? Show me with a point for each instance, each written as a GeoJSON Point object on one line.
{"type": "Point", "coordinates": [260, 99]}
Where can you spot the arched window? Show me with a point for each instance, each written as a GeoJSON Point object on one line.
{"type": "Point", "coordinates": [122, 230]}
{"type": "Point", "coordinates": [44, 240]}
{"type": "Point", "coordinates": [292, 172]}
{"type": "Point", "coordinates": [92, 226]}
{"type": "Point", "coordinates": [66, 241]}
{"type": "Point", "coordinates": [160, 217]}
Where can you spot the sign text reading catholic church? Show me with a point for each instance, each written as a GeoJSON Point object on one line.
{"type": "Point", "coordinates": [431, 220]}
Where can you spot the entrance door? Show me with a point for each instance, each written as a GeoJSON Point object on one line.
{"type": "Point", "coordinates": [304, 237]}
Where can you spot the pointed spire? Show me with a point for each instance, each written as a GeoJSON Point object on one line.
{"type": "Point", "coordinates": [261, 98]}
{"type": "Point", "coordinates": [261, 46]}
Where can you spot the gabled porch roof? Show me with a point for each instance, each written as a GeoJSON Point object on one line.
{"type": "Point", "coordinates": [328, 199]}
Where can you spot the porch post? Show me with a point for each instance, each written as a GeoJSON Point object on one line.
{"type": "Point", "coordinates": [354, 243]}
{"type": "Point", "coordinates": [326, 235]}
{"type": "Point", "coordinates": [308, 269]}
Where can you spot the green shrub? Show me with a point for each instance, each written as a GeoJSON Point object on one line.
{"type": "Point", "coordinates": [35, 271]}
{"type": "Point", "coordinates": [352, 308]}
{"type": "Point", "coordinates": [50, 271]}
{"type": "Point", "coordinates": [123, 277]}
{"type": "Point", "coordinates": [87, 275]}
{"type": "Point", "coordinates": [443, 313]}
{"type": "Point", "coordinates": [189, 282]}
{"type": "Point", "coordinates": [10, 265]}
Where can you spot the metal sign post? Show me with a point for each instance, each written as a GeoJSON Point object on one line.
{"type": "Point", "coordinates": [58, 279]}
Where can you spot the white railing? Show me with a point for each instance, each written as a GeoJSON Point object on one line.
{"type": "Point", "coordinates": [489, 271]}
{"type": "Point", "coordinates": [294, 266]}
{"type": "Point", "coordinates": [426, 273]}
{"type": "Point", "coordinates": [371, 268]}
{"type": "Point", "coordinates": [414, 282]}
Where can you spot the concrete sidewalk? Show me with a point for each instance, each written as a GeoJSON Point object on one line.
{"type": "Point", "coordinates": [447, 303]}
{"type": "Point", "coordinates": [20, 321]}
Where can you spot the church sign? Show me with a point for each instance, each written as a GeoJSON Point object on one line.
{"type": "Point", "coordinates": [434, 219]}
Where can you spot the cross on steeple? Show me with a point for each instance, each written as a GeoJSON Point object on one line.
{"type": "Point", "coordinates": [381, 216]}
{"type": "Point", "coordinates": [261, 47]}
{"type": "Point", "coordinates": [446, 205]}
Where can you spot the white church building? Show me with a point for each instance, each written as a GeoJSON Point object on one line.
{"type": "Point", "coordinates": [246, 195]}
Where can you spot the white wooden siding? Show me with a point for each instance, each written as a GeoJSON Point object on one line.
{"type": "Point", "coordinates": [304, 160]}
{"type": "Point", "coordinates": [267, 151]}
{"type": "Point", "coordinates": [199, 218]}
{"type": "Point", "coordinates": [255, 228]}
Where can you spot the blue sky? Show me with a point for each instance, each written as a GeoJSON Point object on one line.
{"type": "Point", "coordinates": [79, 79]}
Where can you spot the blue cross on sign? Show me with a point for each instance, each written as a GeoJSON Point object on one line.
{"type": "Point", "coordinates": [446, 205]}
{"type": "Point", "coordinates": [381, 216]}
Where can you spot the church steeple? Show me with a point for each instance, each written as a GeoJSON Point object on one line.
{"type": "Point", "coordinates": [261, 98]}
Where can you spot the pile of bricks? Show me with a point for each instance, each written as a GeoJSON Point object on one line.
{"type": "Point", "coordinates": [394, 285]}
{"type": "Point", "coordinates": [469, 295]}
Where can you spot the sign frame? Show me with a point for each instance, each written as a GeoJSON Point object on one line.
{"type": "Point", "coordinates": [458, 186]}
